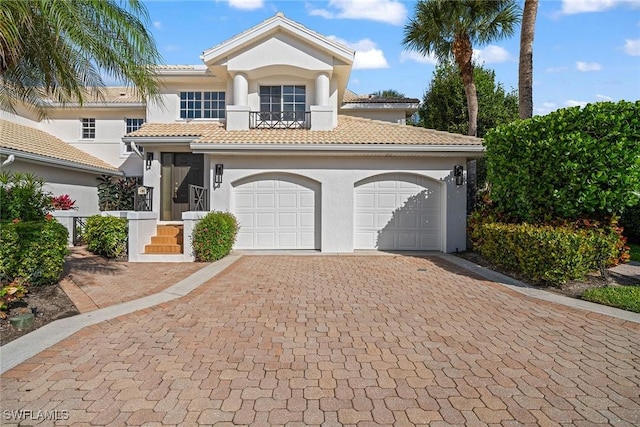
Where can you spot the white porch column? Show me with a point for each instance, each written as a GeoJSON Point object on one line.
{"type": "Point", "coordinates": [322, 89]}
{"type": "Point", "coordinates": [240, 89]}
{"type": "Point", "coordinates": [238, 113]}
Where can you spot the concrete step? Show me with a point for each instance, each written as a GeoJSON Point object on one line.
{"type": "Point", "coordinates": [162, 249]}
{"type": "Point", "coordinates": [169, 230]}
{"type": "Point", "coordinates": [167, 240]}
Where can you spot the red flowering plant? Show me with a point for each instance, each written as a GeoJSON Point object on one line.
{"type": "Point", "coordinates": [63, 203]}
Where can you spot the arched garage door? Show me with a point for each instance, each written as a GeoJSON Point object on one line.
{"type": "Point", "coordinates": [277, 211]}
{"type": "Point", "coordinates": [398, 212]}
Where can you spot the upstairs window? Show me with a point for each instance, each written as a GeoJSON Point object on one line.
{"type": "Point", "coordinates": [88, 128]}
{"type": "Point", "coordinates": [202, 105]}
{"type": "Point", "coordinates": [132, 126]}
{"type": "Point", "coordinates": [286, 103]}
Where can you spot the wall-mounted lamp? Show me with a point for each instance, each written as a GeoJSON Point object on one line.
{"type": "Point", "coordinates": [458, 173]}
{"type": "Point", "coordinates": [149, 161]}
{"type": "Point", "coordinates": [217, 180]}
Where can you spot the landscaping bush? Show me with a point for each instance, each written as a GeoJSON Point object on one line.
{"type": "Point", "coordinates": [570, 164]}
{"type": "Point", "coordinates": [630, 221]}
{"type": "Point", "coordinates": [546, 254]}
{"type": "Point", "coordinates": [22, 197]}
{"type": "Point", "coordinates": [118, 195]}
{"type": "Point", "coordinates": [63, 203]}
{"type": "Point", "coordinates": [106, 236]}
{"type": "Point", "coordinates": [214, 236]}
{"type": "Point", "coordinates": [33, 251]}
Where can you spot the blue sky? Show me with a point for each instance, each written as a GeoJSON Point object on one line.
{"type": "Point", "coordinates": [584, 50]}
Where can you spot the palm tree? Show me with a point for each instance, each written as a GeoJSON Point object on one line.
{"type": "Point", "coordinates": [525, 68]}
{"type": "Point", "coordinates": [55, 50]}
{"type": "Point", "coordinates": [449, 29]}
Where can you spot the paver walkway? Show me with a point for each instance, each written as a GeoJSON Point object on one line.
{"type": "Point", "coordinates": [351, 340]}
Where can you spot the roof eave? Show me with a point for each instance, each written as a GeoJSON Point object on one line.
{"type": "Point", "coordinates": [142, 140]}
{"type": "Point", "coordinates": [61, 163]}
{"type": "Point", "coordinates": [456, 150]}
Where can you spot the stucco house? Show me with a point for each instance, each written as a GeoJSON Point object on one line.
{"type": "Point", "coordinates": [266, 128]}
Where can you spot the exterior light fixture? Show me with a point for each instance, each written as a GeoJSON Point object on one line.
{"type": "Point", "coordinates": [458, 173]}
{"type": "Point", "coordinates": [219, 168]}
{"type": "Point", "coordinates": [149, 161]}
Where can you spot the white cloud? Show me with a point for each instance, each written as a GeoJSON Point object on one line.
{"type": "Point", "coordinates": [491, 54]}
{"type": "Point", "coordinates": [412, 55]}
{"type": "Point", "coordinates": [632, 47]}
{"type": "Point", "coordinates": [570, 7]}
{"type": "Point", "coordinates": [368, 56]}
{"type": "Point", "coordinates": [588, 66]}
{"type": "Point", "coordinates": [172, 48]}
{"type": "Point", "coordinates": [387, 11]}
{"type": "Point", "coordinates": [573, 103]}
{"type": "Point", "coordinates": [546, 108]}
{"type": "Point", "coordinates": [246, 4]}
{"type": "Point", "coordinates": [556, 69]}
{"type": "Point", "coordinates": [604, 98]}
{"type": "Point", "coordinates": [157, 25]}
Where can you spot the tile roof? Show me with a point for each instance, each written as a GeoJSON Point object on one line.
{"type": "Point", "coordinates": [350, 130]}
{"type": "Point", "coordinates": [351, 97]}
{"type": "Point", "coordinates": [33, 141]}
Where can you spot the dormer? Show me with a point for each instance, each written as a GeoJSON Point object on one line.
{"type": "Point", "coordinates": [281, 73]}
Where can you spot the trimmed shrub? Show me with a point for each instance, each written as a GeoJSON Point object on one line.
{"type": "Point", "coordinates": [33, 251]}
{"type": "Point", "coordinates": [546, 254]}
{"type": "Point", "coordinates": [118, 195]}
{"type": "Point", "coordinates": [630, 221]}
{"type": "Point", "coordinates": [22, 197]}
{"type": "Point", "coordinates": [106, 236]}
{"type": "Point", "coordinates": [214, 236]}
{"type": "Point", "coordinates": [570, 164]}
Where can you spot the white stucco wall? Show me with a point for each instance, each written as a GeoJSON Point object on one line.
{"type": "Point", "coordinates": [80, 186]}
{"type": "Point", "coordinates": [336, 177]}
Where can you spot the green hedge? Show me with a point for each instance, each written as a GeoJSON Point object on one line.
{"type": "Point", "coordinates": [214, 236]}
{"type": "Point", "coordinates": [106, 236]}
{"type": "Point", "coordinates": [574, 163]}
{"type": "Point", "coordinates": [33, 251]}
{"type": "Point", "coordinates": [630, 220]}
{"type": "Point", "coordinates": [546, 254]}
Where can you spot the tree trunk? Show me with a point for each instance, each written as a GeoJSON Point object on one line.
{"type": "Point", "coordinates": [525, 71]}
{"type": "Point", "coordinates": [463, 52]}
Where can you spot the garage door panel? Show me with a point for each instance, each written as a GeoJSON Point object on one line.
{"type": "Point", "coordinates": [245, 201]}
{"type": "Point", "coordinates": [267, 219]}
{"type": "Point", "coordinates": [405, 210]}
{"type": "Point", "coordinates": [275, 214]}
{"type": "Point", "coordinates": [307, 200]}
{"type": "Point", "coordinates": [287, 200]}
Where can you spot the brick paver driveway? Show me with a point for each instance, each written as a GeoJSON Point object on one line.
{"type": "Point", "coordinates": [340, 340]}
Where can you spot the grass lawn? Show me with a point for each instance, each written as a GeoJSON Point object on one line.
{"type": "Point", "coordinates": [635, 252]}
{"type": "Point", "coordinates": [624, 297]}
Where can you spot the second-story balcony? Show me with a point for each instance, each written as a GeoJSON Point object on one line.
{"type": "Point", "coordinates": [280, 120]}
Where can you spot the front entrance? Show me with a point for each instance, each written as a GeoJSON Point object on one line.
{"type": "Point", "coordinates": [179, 170]}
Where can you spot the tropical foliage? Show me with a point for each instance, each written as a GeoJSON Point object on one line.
{"type": "Point", "coordinates": [22, 197]}
{"type": "Point", "coordinates": [116, 194]}
{"type": "Point", "coordinates": [55, 50]}
{"type": "Point", "coordinates": [444, 105]}
{"type": "Point", "coordinates": [449, 30]}
{"type": "Point", "coordinates": [388, 93]}
{"type": "Point", "coordinates": [574, 163]}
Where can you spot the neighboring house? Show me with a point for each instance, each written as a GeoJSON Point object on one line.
{"type": "Point", "coordinates": [64, 168]}
{"type": "Point", "coordinates": [267, 129]}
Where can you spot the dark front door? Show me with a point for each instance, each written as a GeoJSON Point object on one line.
{"type": "Point", "coordinates": [179, 170]}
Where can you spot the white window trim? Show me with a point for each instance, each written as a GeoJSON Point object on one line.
{"type": "Point", "coordinates": [90, 120]}
{"type": "Point", "coordinates": [202, 109]}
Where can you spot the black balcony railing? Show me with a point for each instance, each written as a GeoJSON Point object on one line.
{"type": "Point", "coordinates": [280, 120]}
{"type": "Point", "coordinates": [143, 199]}
{"type": "Point", "coordinates": [198, 198]}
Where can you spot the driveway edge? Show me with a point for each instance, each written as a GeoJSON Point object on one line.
{"type": "Point", "coordinates": [532, 291]}
{"type": "Point", "coordinates": [21, 349]}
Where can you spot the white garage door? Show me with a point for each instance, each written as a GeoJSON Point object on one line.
{"type": "Point", "coordinates": [275, 214]}
{"type": "Point", "coordinates": [398, 212]}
